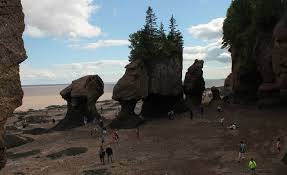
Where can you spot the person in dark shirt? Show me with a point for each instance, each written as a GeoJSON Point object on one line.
{"type": "Point", "coordinates": [109, 152]}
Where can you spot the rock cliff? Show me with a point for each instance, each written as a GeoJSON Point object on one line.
{"type": "Point", "coordinates": [194, 84]}
{"type": "Point", "coordinates": [81, 97]}
{"type": "Point", "coordinates": [12, 53]}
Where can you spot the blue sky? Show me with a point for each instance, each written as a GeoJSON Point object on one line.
{"type": "Point", "coordinates": [66, 39]}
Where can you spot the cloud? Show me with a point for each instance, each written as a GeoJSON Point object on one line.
{"type": "Point", "coordinates": [210, 52]}
{"type": "Point", "coordinates": [60, 18]}
{"type": "Point", "coordinates": [108, 70]}
{"type": "Point", "coordinates": [209, 31]}
{"type": "Point", "coordinates": [106, 43]}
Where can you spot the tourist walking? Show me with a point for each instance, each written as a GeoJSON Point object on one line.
{"type": "Point", "coordinates": [201, 111]}
{"type": "Point", "coordinates": [278, 145]}
{"type": "Point", "coordinates": [109, 152]}
{"type": "Point", "coordinates": [101, 123]}
{"type": "Point", "coordinates": [102, 154]}
{"type": "Point", "coordinates": [104, 133]}
{"type": "Point", "coordinates": [170, 115]}
{"type": "Point", "coordinates": [252, 166]}
{"type": "Point", "coordinates": [219, 108]}
{"type": "Point", "coordinates": [221, 121]}
{"type": "Point", "coordinates": [242, 150]}
{"type": "Point", "coordinates": [115, 136]}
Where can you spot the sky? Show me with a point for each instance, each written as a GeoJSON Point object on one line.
{"type": "Point", "coordinates": [67, 39]}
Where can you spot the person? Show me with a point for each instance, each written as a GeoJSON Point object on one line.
{"type": "Point", "coordinates": [85, 120]}
{"type": "Point", "coordinates": [222, 121]}
{"type": "Point", "coordinates": [101, 123]}
{"type": "Point", "coordinates": [109, 152]}
{"type": "Point", "coordinates": [191, 114]}
{"type": "Point", "coordinates": [252, 166]}
{"type": "Point", "coordinates": [171, 115]}
{"type": "Point", "coordinates": [242, 150]}
{"type": "Point", "coordinates": [278, 145]}
{"type": "Point", "coordinates": [201, 110]}
{"type": "Point", "coordinates": [219, 109]}
{"type": "Point", "coordinates": [102, 154]}
{"type": "Point", "coordinates": [104, 133]}
{"type": "Point", "coordinates": [138, 133]}
{"type": "Point", "coordinates": [233, 126]}
{"type": "Point", "coordinates": [115, 135]}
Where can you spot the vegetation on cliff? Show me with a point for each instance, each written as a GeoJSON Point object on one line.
{"type": "Point", "coordinates": [152, 41]}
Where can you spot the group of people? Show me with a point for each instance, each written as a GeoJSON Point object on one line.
{"type": "Point", "coordinates": [252, 165]}
{"type": "Point", "coordinates": [103, 152]}
{"type": "Point", "coordinates": [115, 136]}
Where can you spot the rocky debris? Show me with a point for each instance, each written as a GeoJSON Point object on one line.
{"type": "Point", "coordinates": [12, 141]}
{"type": "Point", "coordinates": [14, 156]}
{"type": "Point", "coordinates": [81, 97]}
{"type": "Point", "coordinates": [73, 151]}
{"type": "Point", "coordinates": [131, 88]}
{"type": "Point", "coordinates": [215, 93]}
{"type": "Point", "coordinates": [194, 84]}
{"type": "Point", "coordinates": [12, 53]}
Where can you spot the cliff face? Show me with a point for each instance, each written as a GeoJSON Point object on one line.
{"type": "Point", "coordinates": [263, 78]}
{"type": "Point", "coordinates": [12, 53]}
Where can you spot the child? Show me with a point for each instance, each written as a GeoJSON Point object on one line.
{"type": "Point", "coordinates": [252, 166]}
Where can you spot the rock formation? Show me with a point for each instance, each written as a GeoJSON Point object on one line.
{"type": "Point", "coordinates": [81, 97]}
{"type": "Point", "coordinates": [194, 84]}
{"type": "Point", "coordinates": [131, 88]}
{"type": "Point", "coordinates": [262, 77]}
{"type": "Point", "coordinates": [12, 53]}
{"type": "Point", "coordinates": [165, 86]}
{"type": "Point", "coordinates": [215, 93]}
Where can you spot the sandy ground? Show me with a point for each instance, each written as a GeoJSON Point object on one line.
{"type": "Point", "coordinates": [42, 101]}
{"type": "Point", "coordinates": [174, 147]}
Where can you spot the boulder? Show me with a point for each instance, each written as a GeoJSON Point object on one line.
{"type": "Point", "coordinates": [12, 53]}
{"type": "Point", "coordinates": [81, 97]}
{"type": "Point", "coordinates": [215, 93]}
{"type": "Point", "coordinates": [194, 84]}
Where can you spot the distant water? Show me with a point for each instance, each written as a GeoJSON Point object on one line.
{"type": "Point", "coordinates": [41, 96]}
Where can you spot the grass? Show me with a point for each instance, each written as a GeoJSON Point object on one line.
{"type": "Point", "coordinates": [68, 152]}
{"type": "Point", "coordinates": [95, 172]}
{"type": "Point", "coordinates": [13, 156]}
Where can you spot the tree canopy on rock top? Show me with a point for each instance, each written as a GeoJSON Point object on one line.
{"type": "Point", "coordinates": [151, 42]}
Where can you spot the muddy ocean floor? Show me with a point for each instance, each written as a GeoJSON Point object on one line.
{"type": "Point", "coordinates": [174, 147]}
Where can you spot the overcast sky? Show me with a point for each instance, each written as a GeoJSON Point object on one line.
{"type": "Point", "coordinates": [67, 39]}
